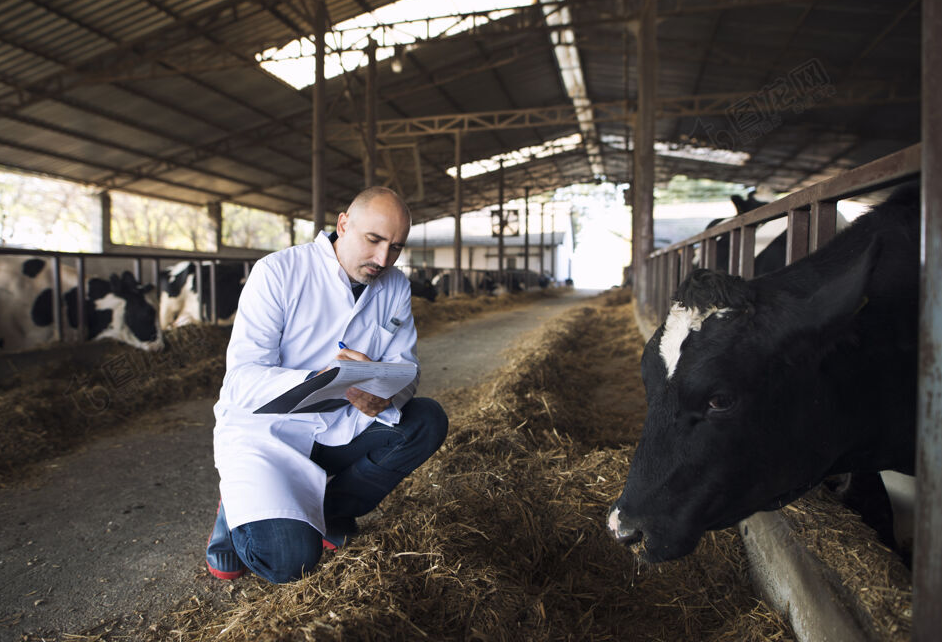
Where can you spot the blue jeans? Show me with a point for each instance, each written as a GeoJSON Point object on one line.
{"type": "Point", "coordinates": [365, 471]}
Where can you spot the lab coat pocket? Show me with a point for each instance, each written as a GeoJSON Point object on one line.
{"type": "Point", "coordinates": [379, 342]}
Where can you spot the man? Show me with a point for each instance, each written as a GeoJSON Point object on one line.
{"type": "Point", "coordinates": [294, 484]}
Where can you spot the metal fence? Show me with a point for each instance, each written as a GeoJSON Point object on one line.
{"type": "Point", "coordinates": [812, 221]}
{"type": "Point", "coordinates": [137, 261]}
{"type": "Point", "coordinates": [477, 280]}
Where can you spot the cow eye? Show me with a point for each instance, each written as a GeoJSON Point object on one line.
{"type": "Point", "coordinates": [721, 402]}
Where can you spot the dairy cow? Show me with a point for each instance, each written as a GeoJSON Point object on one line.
{"type": "Point", "coordinates": [180, 303]}
{"type": "Point", "coordinates": [772, 256]}
{"type": "Point", "coordinates": [758, 390]}
{"type": "Point", "coordinates": [116, 308]}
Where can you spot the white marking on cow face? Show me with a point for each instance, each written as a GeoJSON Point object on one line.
{"type": "Point", "coordinates": [118, 330]}
{"type": "Point", "coordinates": [613, 522]}
{"type": "Point", "coordinates": [679, 324]}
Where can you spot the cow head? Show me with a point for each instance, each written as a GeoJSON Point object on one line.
{"type": "Point", "coordinates": [125, 311]}
{"type": "Point", "coordinates": [735, 392]}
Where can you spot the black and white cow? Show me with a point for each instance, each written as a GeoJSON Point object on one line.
{"type": "Point", "coordinates": [758, 390]}
{"type": "Point", "coordinates": [116, 308]}
{"type": "Point", "coordinates": [423, 288]}
{"type": "Point", "coordinates": [179, 303]}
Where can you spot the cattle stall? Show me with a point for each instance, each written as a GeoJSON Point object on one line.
{"type": "Point", "coordinates": [811, 216]}
{"type": "Point", "coordinates": [146, 266]}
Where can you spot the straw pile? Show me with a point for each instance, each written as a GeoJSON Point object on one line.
{"type": "Point", "coordinates": [431, 316]}
{"type": "Point", "coordinates": [59, 398]}
{"type": "Point", "coordinates": [56, 401]}
{"type": "Point", "coordinates": [872, 576]}
{"type": "Point", "coordinates": [501, 535]}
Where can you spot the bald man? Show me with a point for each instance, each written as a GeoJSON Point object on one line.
{"type": "Point", "coordinates": [292, 485]}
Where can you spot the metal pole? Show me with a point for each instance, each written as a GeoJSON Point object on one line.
{"type": "Point", "coordinates": [526, 238]}
{"type": "Point", "coordinates": [214, 210]}
{"type": "Point", "coordinates": [642, 188]}
{"type": "Point", "coordinates": [458, 206]}
{"type": "Point", "coordinates": [500, 224]}
{"type": "Point", "coordinates": [927, 556]}
{"type": "Point", "coordinates": [105, 198]}
{"type": "Point", "coordinates": [369, 162]}
{"type": "Point", "coordinates": [553, 243]}
{"type": "Point", "coordinates": [542, 248]}
{"type": "Point", "coordinates": [317, 125]}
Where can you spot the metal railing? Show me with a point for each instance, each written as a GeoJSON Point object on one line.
{"type": "Point", "coordinates": [812, 221]}
{"type": "Point", "coordinates": [137, 259]}
{"type": "Point", "coordinates": [511, 279]}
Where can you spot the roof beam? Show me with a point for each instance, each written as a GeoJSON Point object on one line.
{"type": "Point", "coordinates": [565, 115]}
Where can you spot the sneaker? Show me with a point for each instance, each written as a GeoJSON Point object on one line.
{"type": "Point", "coordinates": [221, 558]}
{"type": "Point", "coordinates": [340, 530]}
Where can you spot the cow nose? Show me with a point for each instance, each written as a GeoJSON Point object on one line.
{"type": "Point", "coordinates": [620, 531]}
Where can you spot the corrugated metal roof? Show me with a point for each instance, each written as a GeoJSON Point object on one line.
{"type": "Point", "coordinates": [163, 97]}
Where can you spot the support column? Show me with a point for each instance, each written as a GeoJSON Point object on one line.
{"type": "Point", "coordinates": [542, 244]}
{"type": "Point", "coordinates": [318, 98]}
{"type": "Point", "coordinates": [105, 199]}
{"type": "Point", "coordinates": [500, 224]}
{"type": "Point", "coordinates": [927, 556]}
{"type": "Point", "coordinates": [526, 238]}
{"type": "Point", "coordinates": [456, 287]}
{"type": "Point", "coordinates": [642, 188]}
{"type": "Point", "coordinates": [289, 225]}
{"type": "Point", "coordinates": [369, 161]}
{"type": "Point", "coordinates": [553, 243]}
{"type": "Point", "coordinates": [214, 211]}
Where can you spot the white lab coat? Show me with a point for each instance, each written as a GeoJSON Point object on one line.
{"type": "Point", "coordinates": [295, 306]}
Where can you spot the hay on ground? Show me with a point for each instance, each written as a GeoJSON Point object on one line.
{"type": "Point", "coordinates": [501, 535]}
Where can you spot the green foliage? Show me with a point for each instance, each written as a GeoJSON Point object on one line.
{"type": "Point", "coordinates": [151, 222]}
{"type": "Point", "coordinates": [252, 228]}
{"type": "Point", "coordinates": [682, 189]}
{"type": "Point", "coordinates": [47, 214]}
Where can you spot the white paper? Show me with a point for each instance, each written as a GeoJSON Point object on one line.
{"type": "Point", "coordinates": [375, 377]}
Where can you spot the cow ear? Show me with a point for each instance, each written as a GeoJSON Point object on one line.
{"type": "Point", "coordinates": [115, 283]}
{"type": "Point", "coordinates": [147, 288]}
{"type": "Point", "coordinates": [840, 295]}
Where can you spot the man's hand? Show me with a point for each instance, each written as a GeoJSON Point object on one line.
{"type": "Point", "coordinates": [369, 405]}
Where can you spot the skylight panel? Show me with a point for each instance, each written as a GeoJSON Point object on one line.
{"type": "Point", "coordinates": [399, 24]}
{"type": "Point", "coordinates": [518, 156]}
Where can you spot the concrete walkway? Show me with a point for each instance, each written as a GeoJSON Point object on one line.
{"type": "Point", "coordinates": [111, 536]}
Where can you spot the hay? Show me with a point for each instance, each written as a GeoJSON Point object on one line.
{"type": "Point", "coordinates": [53, 401]}
{"type": "Point", "coordinates": [53, 405]}
{"type": "Point", "coordinates": [501, 535]}
{"type": "Point", "coordinates": [432, 317]}
{"type": "Point", "coordinates": [871, 576]}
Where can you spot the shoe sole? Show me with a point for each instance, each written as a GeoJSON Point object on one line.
{"type": "Point", "coordinates": [215, 572]}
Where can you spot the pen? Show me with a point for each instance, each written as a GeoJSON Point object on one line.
{"type": "Point", "coordinates": [343, 346]}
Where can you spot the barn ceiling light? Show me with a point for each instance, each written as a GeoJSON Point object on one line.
{"type": "Point", "coordinates": [394, 26]}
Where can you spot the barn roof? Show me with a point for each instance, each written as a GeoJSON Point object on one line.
{"type": "Point", "coordinates": [165, 98]}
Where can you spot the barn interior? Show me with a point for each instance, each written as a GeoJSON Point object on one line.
{"type": "Point", "coordinates": [457, 106]}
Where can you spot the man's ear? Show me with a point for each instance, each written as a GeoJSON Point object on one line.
{"type": "Point", "coordinates": [342, 219]}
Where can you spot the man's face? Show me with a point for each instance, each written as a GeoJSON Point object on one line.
{"type": "Point", "coordinates": [370, 238]}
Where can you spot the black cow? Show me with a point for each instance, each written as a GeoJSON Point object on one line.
{"type": "Point", "coordinates": [442, 283]}
{"type": "Point", "coordinates": [178, 298]}
{"type": "Point", "coordinates": [772, 256]}
{"type": "Point", "coordinates": [116, 308]}
{"type": "Point", "coordinates": [758, 390]}
{"type": "Point", "coordinates": [423, 288]}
